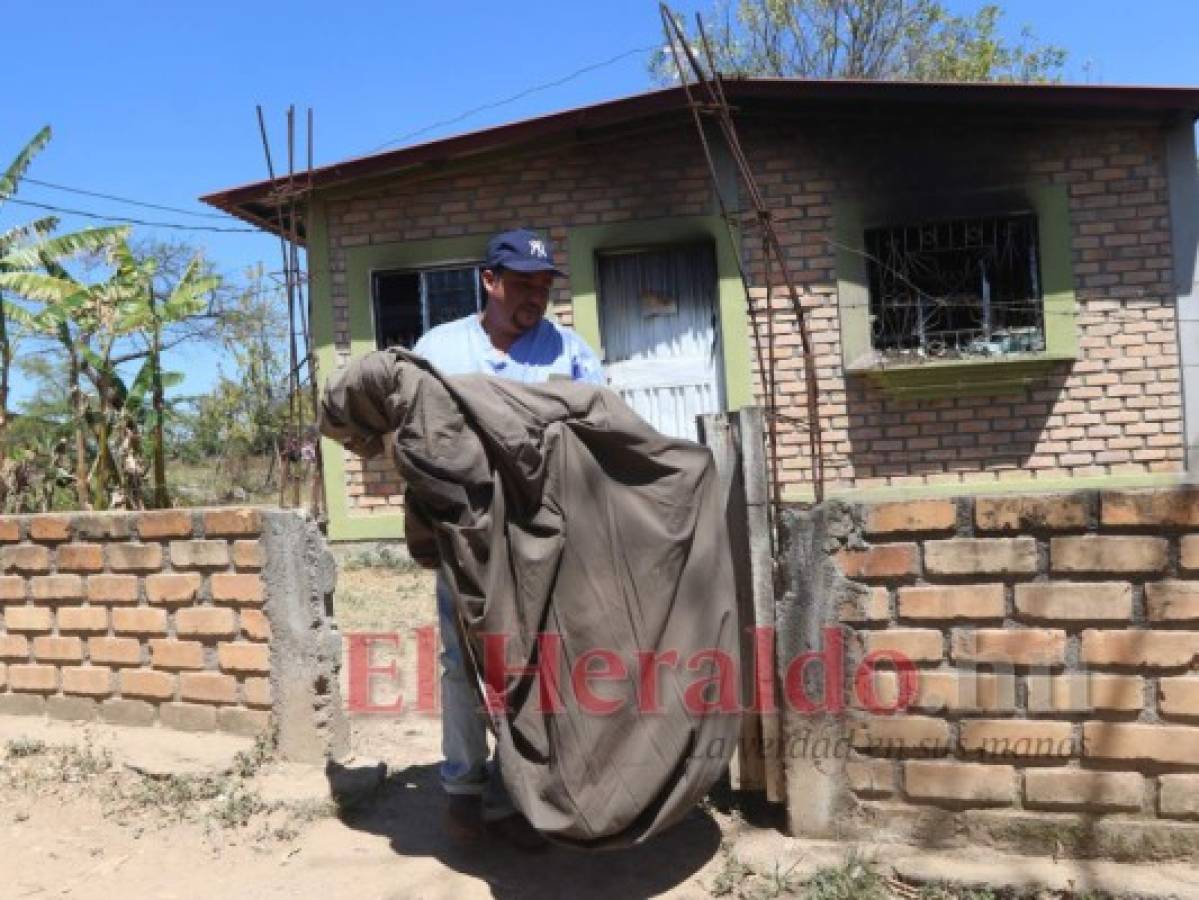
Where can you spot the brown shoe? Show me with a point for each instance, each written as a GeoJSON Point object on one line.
{"type": "Point", "coordinates": [463, 819]}
{"type": "Point", "coordinates": [516, 831]}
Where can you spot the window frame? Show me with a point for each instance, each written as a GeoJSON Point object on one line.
{"type": "Point", "coordinates": [361, 262]}
{"type": "Point", "coordinates": [421, 270]}
{"type": "Point", "coordinates": [895, 293]}
{"type": "Point", "coordinates": [354, 276]}
{"type": "Point", "coordinates": [984, 375]}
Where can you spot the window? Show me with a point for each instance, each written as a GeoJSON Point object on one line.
{"type": "Point", "coordinates": [408, 302]}
{"type": "Point", "coordinates": [956, 288]}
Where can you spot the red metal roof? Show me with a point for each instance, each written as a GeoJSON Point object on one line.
{"type": "Point", "coordinates": [252, 203]}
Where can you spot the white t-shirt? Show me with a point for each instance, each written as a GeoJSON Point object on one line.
{"type": "Point", "coordinates": [462, 347]}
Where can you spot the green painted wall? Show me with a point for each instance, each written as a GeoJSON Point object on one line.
{"type": "Point", "coordinates": [1051, 203]}
{"type": "Point", "coordinates": [360, 263]}
{"type": "Point", "coordinates": [320, 289]}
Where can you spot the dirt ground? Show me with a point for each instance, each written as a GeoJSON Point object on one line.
{"type": "Point", "coordinates": [97, 811]}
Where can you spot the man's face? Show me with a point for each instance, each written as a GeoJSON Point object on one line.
{"type": "Point", "coordinates": [519, 298]}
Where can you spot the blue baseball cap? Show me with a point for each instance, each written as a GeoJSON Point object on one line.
{"type": "Point", "coordinates": [521, 250]}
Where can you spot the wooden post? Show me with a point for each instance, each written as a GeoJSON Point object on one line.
{"type": "Point", "coordinates": [752, 447]}
{"type": "Point", "coordinates": [736, 442]}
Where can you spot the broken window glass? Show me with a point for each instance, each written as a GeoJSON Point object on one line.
{"type": "Point", "coordinates": [957, 287]}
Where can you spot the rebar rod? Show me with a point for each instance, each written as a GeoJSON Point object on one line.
{"type": "Point", "coordinates": [318, 483]}
{"type": "Point", "coordinates": [295, 399]}
{"type": "Point", "coordinates": [718, 107]}
{"type": "Point", "coordinates": [284, 467]}
{"type": "Point", "coordinates": [697, 108]}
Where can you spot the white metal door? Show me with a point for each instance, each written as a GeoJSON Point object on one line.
{"type": "Point", "coordinates": [659, 327]}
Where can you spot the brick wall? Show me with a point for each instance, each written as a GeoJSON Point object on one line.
{"type": "Point", "coordinates": [1055, 642]}
{"type": "Point", "coordinates": [599, 181]}
{"type": "Point", "coordinates": [1116, 411]}
{"type": "Point", "coordinates": [136, 618]}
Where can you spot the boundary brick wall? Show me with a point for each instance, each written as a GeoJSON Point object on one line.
{"type": "Point", "coordinates": [1117, 411]}
{"type": "Point", "coordinates": [1055, 642]}
{"type": "Point", "coordinates": [183, 618]}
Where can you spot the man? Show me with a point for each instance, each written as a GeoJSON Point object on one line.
{"type": "Point", "coordinates": [510, 338]}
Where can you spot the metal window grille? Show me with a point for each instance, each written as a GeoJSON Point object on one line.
{"type": "Point", "coordinates": [957, 287]}
{"type": "Point", "coordinates": [408, 302]}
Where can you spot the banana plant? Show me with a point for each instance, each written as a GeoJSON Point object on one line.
{"type": "Point", "coordinates": [21, 250]}
{"type": "Point", "coordinates": [140, 407]}
{"type": "Point", "coordinates": [89, 320]}
{"type": "Point", "coordinates": [33, 231]}
{"type": "Point", "coordinates": [79, 314]}
{"type": "Point", "coordinates": [188, 297]}
{"type": "Point", "coordinates": [71, 312]}
{"type": "Point", "coordinates": [31, 476]}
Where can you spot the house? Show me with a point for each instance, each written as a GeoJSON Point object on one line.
{"type": "Point", "coordinates": [999, 278]}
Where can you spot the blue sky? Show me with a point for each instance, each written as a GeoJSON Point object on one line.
{"type": "Point", "coordinates": [155, 101]}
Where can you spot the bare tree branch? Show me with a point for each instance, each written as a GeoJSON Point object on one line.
{"type": "Point", "coordinates": [872, 39]}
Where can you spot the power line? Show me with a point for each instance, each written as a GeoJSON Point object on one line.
{"type": "Point", "coordinates": [131, 202]}
{"type": "Point", "coordinates": [128, 221]}
{"type": "Point", "coordinates": [518, 96]}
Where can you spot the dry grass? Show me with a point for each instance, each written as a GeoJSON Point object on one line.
{"type": "Point", "coordinates": [219, 482]}
{"type": "Point", "coordinates": [33, 772]}
{"type": "Point", "coordinates": [384, 599]}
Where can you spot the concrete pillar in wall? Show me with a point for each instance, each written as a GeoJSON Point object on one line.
{"type": "Point", "coordinates": [1183, 174]}
{"type": "Point", "coordinates": [816, 744]}
{"type": "Point", "coordinates": [300, 575]}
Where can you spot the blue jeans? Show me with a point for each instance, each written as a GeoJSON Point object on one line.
{"type": "Point", "coordinates": [466, 769]}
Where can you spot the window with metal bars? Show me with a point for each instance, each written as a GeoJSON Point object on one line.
{"type": "Point", "coordinates": [956, 288]}
{"type": "Point", "coordinates": [408, 302]}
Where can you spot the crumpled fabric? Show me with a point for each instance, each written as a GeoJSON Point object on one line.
{"type": "Point", "coordinates": [555, 509]}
